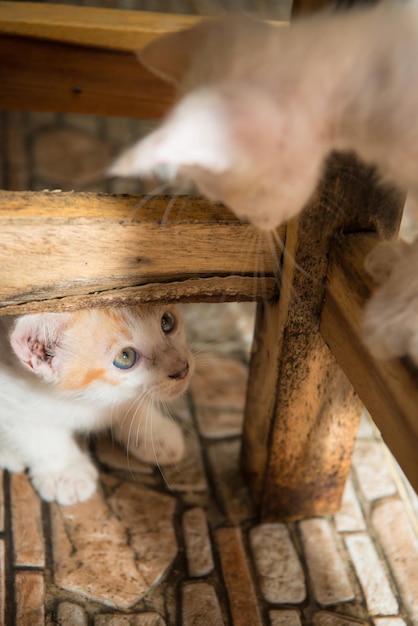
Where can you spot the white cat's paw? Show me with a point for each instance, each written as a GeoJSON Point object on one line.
{"type": "Point", "coordinates": [11, 461]}
{"type": "Point", "coordinates": [75, 483]}
{"type": "Point", "coordinates": [380, 261]}
{"type": "Point", "coordinates": [163, 445]}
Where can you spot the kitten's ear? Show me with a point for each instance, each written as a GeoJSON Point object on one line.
{"type": "Point", "coordinates": [195, 134]}
{"type": "Point", "coordinates": [36, 340]}
{"type": "Point", "coordinates": [170, 55]}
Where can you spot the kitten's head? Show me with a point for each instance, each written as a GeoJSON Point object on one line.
{"type": "Point", "coordinates": [238, 136]}
{"type": "Point", "coordinates": [107, 356]}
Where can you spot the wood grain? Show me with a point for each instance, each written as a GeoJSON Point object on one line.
{"type": "Point", "coordinates": [88, 26]}
{"type": "Point", "coordinates": [93, 247]}
{"type": "Point", "coordinates": [49, 76]}
{"type": "Point", "coordinates": [389, 389]}
{"type": "Point", "coordinates": [81, 60]}
{"type": "Point", "coordinates": [301, 414]}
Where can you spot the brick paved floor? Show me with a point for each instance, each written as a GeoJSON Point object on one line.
{"type": "Point", "coordinates": [183, 547]}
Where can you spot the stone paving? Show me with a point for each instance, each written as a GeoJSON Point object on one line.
{"type": "Point", "coordinates": [182, 546]}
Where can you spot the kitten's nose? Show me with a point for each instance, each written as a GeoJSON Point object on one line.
{"type": "Point", "coordinates": [182, 373]}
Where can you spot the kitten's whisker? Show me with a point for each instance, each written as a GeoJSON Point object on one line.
{"type": "Point", "coordinates": [289, 257]}
{"type": "Point", "coordinates": [167, 210]}
{"type": "Point", "coordinates": [157, 190]}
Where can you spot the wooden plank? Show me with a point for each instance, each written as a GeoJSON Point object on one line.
{"type": "Point", "coordinates": [301, 415]}
{"type": "Point", "coordinates": [50, 76]}
{"type": "Point", "coordinates": [81, 59]}
{"type": "Point", "coordinates": [60, 245]}
{"type": "Point", "coordinates": [389, 389]}
{"type": "Point", "coordinates": [88, 26]}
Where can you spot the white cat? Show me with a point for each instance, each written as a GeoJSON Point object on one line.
{"type": "Point", "coordinates": [261, 107]}
{"type": "Point", "coordinates": [68, 373]}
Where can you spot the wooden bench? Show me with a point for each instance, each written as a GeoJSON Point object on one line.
{"type": "Point", "coordinates": [60, 251]}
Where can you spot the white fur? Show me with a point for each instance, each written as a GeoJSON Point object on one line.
{"type": "Point", "coordinates": [281, 99]}
{"type": "Point", "coordinates": [45, 403]}
{"type": "Point", "coordinates": [390, 326]}
{"type": "Point", "coordinates": [261, 107]}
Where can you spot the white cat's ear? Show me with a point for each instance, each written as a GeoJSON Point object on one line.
{"type": "Point", "coordinates": [36, 340]}
{"type": "Point", "coordinates": [169, 56]}
{"type": "Point", "coordinates": [195, 134]}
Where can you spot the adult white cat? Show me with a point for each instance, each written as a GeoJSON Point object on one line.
{"type": "Point", "coordinates": [260, 108]}
{"type": "Point", "coordinates": [68, 373]}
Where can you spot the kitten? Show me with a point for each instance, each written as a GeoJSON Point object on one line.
{"type": "Point", "coordinates": [68, 373]}
{"type": "Point", "coordinates": [261, 107]}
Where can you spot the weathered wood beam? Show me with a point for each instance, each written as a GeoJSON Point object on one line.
{"type": "Point", "coordinates": [76, 249]}
{"type": "Point", "coordinates": [81, 60]}
{"type": "Point", "coordinates": [89, 26]}
{"type": "Point", "coordinates": [48, 76]}
{"type": "Point", "coordinates": [389, 389]}
{"type": "Point", "coordinates": [302, 414]}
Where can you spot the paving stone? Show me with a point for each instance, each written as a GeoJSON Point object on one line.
{"type": "Point", "coordinates": [26, 512]}
{"type": "Point", "coordinates": [41, 119]}
{"type": "Point", "coordinates": [30, 593]}
{"type": "Point", "coordinates": [222, 383]}
{"type": "Point", "coordinates": [88, 541]}
{"type": "Point", "coordinates": [400, 545]}
{"type": "Point", "coordinates": [323, 618]}
{"type": "Point", "coordinates": [140, 619]}
{"type": "Point", "coordinates": [219, 391]}
{"type": "Point", "coordinates": [200, 606]}
{"type": "Point", "coordinates": [69, 158]}
{"type": "Point", "coordinates": [374, 582]}
{"type": "Point", "coordinates": [113, 455]}
{"type": "Point", "coordinates": [189, 473]}
{"type": "Point", "coordinates": [147, 517]}
{"type": "Point", "coordinates": [372, 471]}
{"type": "Point", "coordinates": [237, 578]}
{"type": "Point", "coordinates": [284, 618]}
{"type": "Point", "coordinates": [281, 576]}
{"type": "Point", "coordinates": [224, 462]}
{"type": "Point", "coordinates": [89, 124]}
{"type": "Point", "coordinates": [17, 155]}
{"type": "Point", "coordinates": [350, 517]}
{"type": "Point", "coordinates": [326, 567]}
{"type": "Point", "coordinates": [70, 614]}
{"type": "Point", "coordinates": [389, 621]}
{"type": "Point", "coordinates": [197, 541]}
{"type": "Point", "coordinates": [215, 423]}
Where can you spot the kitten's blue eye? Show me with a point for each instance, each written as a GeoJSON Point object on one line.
{"type": "Point", "coordinates": [168, 322]}
{"type": "Point", "coordinates": [125, 359]}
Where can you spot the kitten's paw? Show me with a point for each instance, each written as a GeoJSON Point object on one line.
{"type": "Point", "coordinates": [11, 461]}
{"type": "Point", "coordinates": [163, 445]}
{"type": "Point", "coordinates": [72, 484]}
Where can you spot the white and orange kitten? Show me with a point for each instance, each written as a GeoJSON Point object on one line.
{"type": "Point", "coordinates": [81, 372]}
{"type": "Point", "coordinates": [260, 108]}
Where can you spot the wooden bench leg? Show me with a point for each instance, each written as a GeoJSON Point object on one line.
{"type": "Point", "coordinates": [302, 414]}
{"type": "Point", "coordinates": [301, 423]}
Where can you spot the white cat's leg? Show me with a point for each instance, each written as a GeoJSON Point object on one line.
{"type": "Point", "coordinates": [150, 436]}
{"type": "Point", "coordinates": [59, 470]}
{"type": "Point", "coordinates": [390, 325]}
